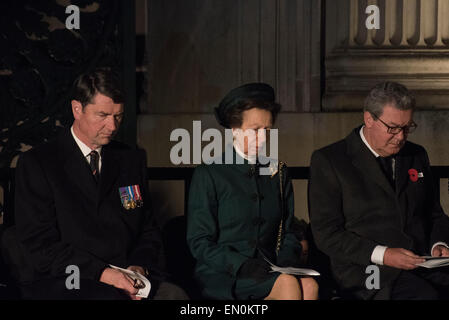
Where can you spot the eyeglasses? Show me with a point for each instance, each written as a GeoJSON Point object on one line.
{"type": "Point", "coordinates": [395, 130]}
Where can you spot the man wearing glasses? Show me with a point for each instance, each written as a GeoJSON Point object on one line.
{"type": "Point", "coordinates": [373, 201]}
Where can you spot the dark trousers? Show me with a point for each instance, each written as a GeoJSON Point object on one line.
{"type": "Point", "coordinates": [55, 289]}
{"type": "Point", "coordinates": [422, 284]}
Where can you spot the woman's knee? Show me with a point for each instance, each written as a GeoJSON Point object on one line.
{"type": "Point", "coordinates": [310, 288]}
{"type": "Point", "coordinates": [287, 279]}
{"type": "Point", "coordinates": [286, 287]}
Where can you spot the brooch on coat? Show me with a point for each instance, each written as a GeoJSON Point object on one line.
{"type": "Point", "coordinates": [131, 197]}
{"type": "Point", "coordinates": [274, 167]}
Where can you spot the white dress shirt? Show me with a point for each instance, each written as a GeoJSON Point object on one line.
{"type": "Point", "coordinates": [86, 150]}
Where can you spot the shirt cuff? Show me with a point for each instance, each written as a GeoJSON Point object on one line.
{"type": "Point", "coordinates": [377, 257]}
{"type": "Point", "coordinates": [438, 244]}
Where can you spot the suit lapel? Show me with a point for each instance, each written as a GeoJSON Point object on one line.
{"type": "Point", "coordinates": [403, 163]}
{"type": "Point", "coordinates": [365, 161]}
{"type": "Point", "coordinates": [76, 167]}
{"type": "Point", "coordinates": [109, 171]}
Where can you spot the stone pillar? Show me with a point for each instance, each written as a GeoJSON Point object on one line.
{"type": "Point", "coordinates": [199, 49]}
{"type": "Point", "coordinates": [411, 47]}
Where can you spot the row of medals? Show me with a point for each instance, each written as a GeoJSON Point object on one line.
{"type": "Point", "coordinates": [131, 204]}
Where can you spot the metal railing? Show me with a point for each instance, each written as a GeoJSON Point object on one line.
{"type": "Point", "coordinates": [158, 174]}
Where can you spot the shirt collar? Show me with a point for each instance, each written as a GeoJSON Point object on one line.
{"type": "Point", "coordinates": [367, 144]}
{"type": "Point", "coordinates": [84, 148]}
{"type": "Point", "coordinates": [251, 159]}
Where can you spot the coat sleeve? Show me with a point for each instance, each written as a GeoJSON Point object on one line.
{"type": "Point", "coordinates": [439, 220]}
{"type": "Point", "coordinates": [327, 217]}
{"type": "Point", "coordinates": [202, 226]}
{"type": "Point", "coordinates": [291, 249]}
{"type": "Point", "coordinates": [37, 225]}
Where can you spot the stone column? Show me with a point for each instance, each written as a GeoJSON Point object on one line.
{"type": "Point", "coordinates": [411, 47]}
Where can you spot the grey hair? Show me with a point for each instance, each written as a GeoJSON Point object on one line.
{"type": "Point", "coordinates": [389, 93]}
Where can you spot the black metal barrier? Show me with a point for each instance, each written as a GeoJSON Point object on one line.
{"type": "Point", "coordinates": [156, 174]}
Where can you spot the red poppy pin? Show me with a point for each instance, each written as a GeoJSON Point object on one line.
{"type": "Point", "coordinates": [413, 175]}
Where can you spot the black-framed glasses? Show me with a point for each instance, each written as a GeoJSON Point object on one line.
{"type": "Point", "coordinates": [395, 130]}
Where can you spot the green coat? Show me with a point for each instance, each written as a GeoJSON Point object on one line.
{"type": "Point", "coordinates": [231, 215]}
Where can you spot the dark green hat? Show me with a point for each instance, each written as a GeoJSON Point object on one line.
{"type": "Point", "coordinates": [250, 91]}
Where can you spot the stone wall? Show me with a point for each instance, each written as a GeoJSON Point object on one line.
{"type": "Point", "coordinates": [317, 54]}
{"type": "Point", "coordinates": [299, 135]}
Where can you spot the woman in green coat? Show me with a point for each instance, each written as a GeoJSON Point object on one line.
{"type": "Point", "coordinates": [235, 221]}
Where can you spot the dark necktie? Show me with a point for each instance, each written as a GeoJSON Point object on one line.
{"type": "Point", "coordinates": [94, 158]}
{"type": "Point", "coordinates": [387, 167]}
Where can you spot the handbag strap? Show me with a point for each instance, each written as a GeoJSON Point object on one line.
{"type": "Point", "coordinates": [281, 224]}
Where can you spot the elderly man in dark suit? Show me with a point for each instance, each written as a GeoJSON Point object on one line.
{"type": "Point", "coordinates": [82, 200]}
{"type": "Point", "coordinates": [372, 200]}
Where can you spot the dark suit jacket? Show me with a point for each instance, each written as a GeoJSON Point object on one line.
{"type": "Point", "coordinates": [64, 218]}
{"type": "Point", "coordinates": [353, 208]}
